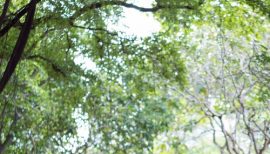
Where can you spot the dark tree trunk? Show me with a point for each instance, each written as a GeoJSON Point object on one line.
{"type": "Point", "coordinates": [19, 47]}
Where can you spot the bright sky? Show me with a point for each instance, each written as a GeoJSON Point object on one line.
{"type": "Point", "coordinates": [138, 23]}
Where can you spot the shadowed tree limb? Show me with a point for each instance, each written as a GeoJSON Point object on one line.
{"type": "Point", "coordinates": [4, 12]}
{"type": "Point", "coordinates": [19, 47]}
{"type": "Point", "coordinates": [18, 16]}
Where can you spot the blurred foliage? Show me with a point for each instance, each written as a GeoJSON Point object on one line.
{"type": "Point", "coordinates": [131, 94]}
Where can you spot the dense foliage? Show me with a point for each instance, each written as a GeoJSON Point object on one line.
{"type": "Point", "coordinates": [76, 85]}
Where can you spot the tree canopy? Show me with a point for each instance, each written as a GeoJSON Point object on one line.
{"type": "Point", "coordinates": [199, 85]}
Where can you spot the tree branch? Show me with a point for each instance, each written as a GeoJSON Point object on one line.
{"type": "Point", "coordinates": [54, 66]}
{"type": "Point", "coordinates": [265, 146]}
{"type": "Point", "coordinates": [156, 8]}
{"type": "Point", "coordinates": [18, 16]}
{"type": "Point", "coordinates": [93, 29]}
{"type": "Point", "coordinates": [4, 12]}
{"type": "Point", "coordinates": [19, 47]}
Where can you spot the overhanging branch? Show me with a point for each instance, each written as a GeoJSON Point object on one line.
{"type": "Point", "coordinates": [156, 8]}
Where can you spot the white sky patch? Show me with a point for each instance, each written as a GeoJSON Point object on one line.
{"type": "Point", "coordinates": [138, 23]}
{"type": "Point", "coordinates": [86, 63]}
{"type": "Point", "coordinates": [83, 128]}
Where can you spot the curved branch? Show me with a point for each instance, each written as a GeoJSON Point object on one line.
{"type": "Point", "coordinates": [98, 5]}
{"type": "Point", "coordinates": [156, 8]}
